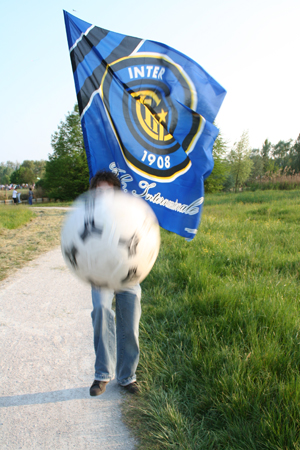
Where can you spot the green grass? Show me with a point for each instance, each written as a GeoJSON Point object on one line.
{"type": "Point", "coordinates": [26, 233]}
{"type": "Point", "coordinates": [252, 197]}
{"type": "Point", "coordinates": [12, 217]}
{"type": "Point", "coordinates": [220, 331]}
{"type": "Point", "coordinates": [7, 195]}
{"type": "Point", "coordinates": [52, 204]}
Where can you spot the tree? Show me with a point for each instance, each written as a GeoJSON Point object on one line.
{"type": "Point", "coordinates": [282, 154]}
{"type": "Point", "coordinates": [258, 164]}
{"type": "Point", "coordinates": [15, 177]}
{"type": "Point", "coordinates": [66, 172]}
{"type": "Point", "coordinates": [296, 155]}
{"type": "Point", "coordinates": [215, 181]}
{"type": "Point", "coordinates": [5, 179]}
{"type": "Point", "coordinates": [23, 175]}
{"type": "Point", "coordinates": [266, 154]}
{"type": "Point", "coordinates": [39, 168]}
{"type": "Point", "coordinates": [28, 172]}
{"type": "Point", "coordinates": [239, 160]}
{"type": "Point", "coordinates": [229, 183]}
{"type": "Point", "coordinates": [6, 169]}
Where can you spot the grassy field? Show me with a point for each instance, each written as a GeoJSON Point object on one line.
{"type": "Point", "coordinates": [12, 217]}
{"type": "Point", "coordinates": [220, 331]}
{"type": "Point", "coordinates": [8, 194]}
{"type": "Point", "coordinates": [26, 232]}
{"type": "Point", "coordinates": [52, 204]}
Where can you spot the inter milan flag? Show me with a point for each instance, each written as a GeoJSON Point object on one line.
{"type": "Point", "coordinates": [147, 114]}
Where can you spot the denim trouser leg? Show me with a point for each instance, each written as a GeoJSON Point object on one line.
{"type": "Point", "coordinates": [103, 318]}
{"type": "Point", "coordinates": [128, 312]}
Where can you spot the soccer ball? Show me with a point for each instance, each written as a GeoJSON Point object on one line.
{"type": "Point", "coordinates": [110, 239]}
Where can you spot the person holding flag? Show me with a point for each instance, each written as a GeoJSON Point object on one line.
{"type": "Point", "coordinates": [147, 114]}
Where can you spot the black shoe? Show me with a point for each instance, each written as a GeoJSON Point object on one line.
{"type": "Point", "coordinates": [133, 388]}
{"type": "Point", "coordinates": [98, 387]}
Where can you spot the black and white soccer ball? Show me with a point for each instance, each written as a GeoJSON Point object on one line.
{"type": "Point", "coordinates": [110, 239]}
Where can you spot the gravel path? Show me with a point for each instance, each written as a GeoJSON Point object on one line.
{"type": "Point", "coordinates": [46, 363]}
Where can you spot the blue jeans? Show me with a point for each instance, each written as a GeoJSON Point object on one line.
{"type": "Point", "coordinates": [116, 341]}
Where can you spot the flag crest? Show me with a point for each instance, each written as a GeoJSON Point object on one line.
{"type": "Point", "coordinates": [147, 114]}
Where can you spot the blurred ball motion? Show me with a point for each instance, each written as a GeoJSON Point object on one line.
{"type": "Point", "coordinates": [110, 239]}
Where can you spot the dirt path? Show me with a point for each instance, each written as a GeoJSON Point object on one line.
{"type": "Point", "coordinates": [46, 364]}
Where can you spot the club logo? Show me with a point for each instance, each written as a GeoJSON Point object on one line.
{"type": "Point", "coordinates": [155, 132]}
{"type": "Point", "coordinates": [152, 123]}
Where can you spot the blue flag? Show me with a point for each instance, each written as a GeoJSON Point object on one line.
{"type": "Point", "coordinates": [147, 115]}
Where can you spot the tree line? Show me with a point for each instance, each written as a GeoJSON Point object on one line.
{"type": "Point", "coordinates": [29, 172]}
{"type": "Point", "coordinates": [65, 175]}
{"type": "Point", "coordinates": [272, 166]}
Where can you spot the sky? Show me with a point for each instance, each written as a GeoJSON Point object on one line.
{"type": "Point", "coordinates": [250, 47]}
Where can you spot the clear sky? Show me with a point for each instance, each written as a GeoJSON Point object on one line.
{"type": "Point", "coordinates": [251, 47]}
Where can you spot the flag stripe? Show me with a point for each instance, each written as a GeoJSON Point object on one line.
{"type": "Point", "coordinates": [84, 46]}
{"type": "Point", "coordinates": [92, 83]}
{"type": "Point", "coordinates": [193, 131]}
{"type": "Point", "coordinates": [80, 37]}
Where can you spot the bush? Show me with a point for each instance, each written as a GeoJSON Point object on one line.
{"type": "Point", "coordinates": [273, 186]}
{"type": "Point", "coordinates": [39, 192]}
{"type": "Point", "coordinates": [40, 183]}
{"type": "Point", "coordinates": [282, 180]}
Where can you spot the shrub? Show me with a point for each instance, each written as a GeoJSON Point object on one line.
{"type": "Point", "coordinates": [281, 180]}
